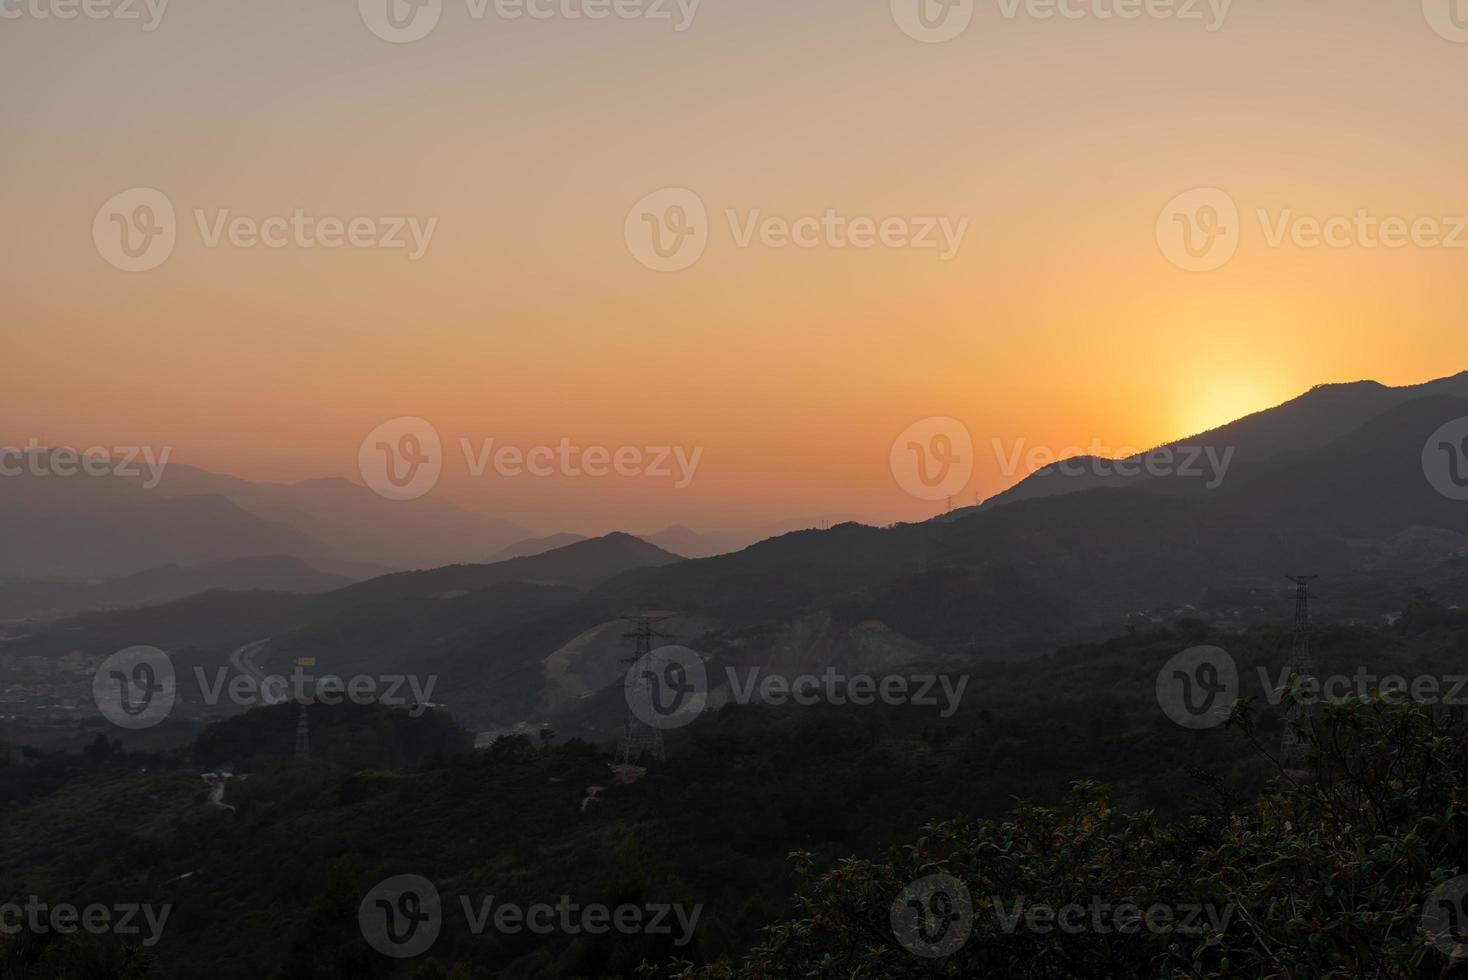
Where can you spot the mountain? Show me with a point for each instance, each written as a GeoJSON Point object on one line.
{"type": "Point", "coordinates": [91, 528]}
{"type": "Point", "coordinates": [535, 546]}
{"type": "Point", "coordinates": [1315, 419]}
{"type": "Point", "coordinates": [356, 523]}
{"type": "Point", "coordinates": [582, 565]}
{"type": "Point", "coordinates": [540, 638]}
{"type": "Point", "coordinates": [683, 540]}
{"type": "Point", "coordinates": [164, 583]}
{"type": "Point", "coordinates": [428, 604]}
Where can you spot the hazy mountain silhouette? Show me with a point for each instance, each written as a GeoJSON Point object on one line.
{"type": "Point", "coordinates": [220, 620]}
{"type": "Point", "coordinates": [167, 582]}
{"type": "Point", "coordinates": [535, 546]}
{"type": "Point", "coordinates": [1315, 419]}
{"type": "Point", "coordinates": [512, 639]}
{"type": "Point", "coordinates": [356, 523]}
{"type": "Point", "coordinates": [102, 527]}
{"type": "Point", "coordinates": [683, 540]}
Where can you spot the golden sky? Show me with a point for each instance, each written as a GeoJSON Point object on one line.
{"type": "Point", "coordinates": [1059, 322]}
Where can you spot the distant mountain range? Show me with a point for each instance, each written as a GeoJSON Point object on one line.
{"type": "Point", "coordinates": [682, 540]}
{"type": "Point", "coordinates": [167, 582]}
{"type": "Point", "coordinates": [1331, 483]}
{"type": "Point", "coordinates": [1315, 419]}
{"type": "Point", "coordinates": [91, 529]}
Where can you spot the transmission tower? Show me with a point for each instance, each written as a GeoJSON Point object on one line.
{"type": "Point", "coordinates": [303, 734]}
{"type": "Point", "coordinates": [1295, 749]}
{"type": "Point", "coordinates": [638, 737]}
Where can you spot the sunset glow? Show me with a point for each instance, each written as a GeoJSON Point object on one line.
{"type": "Point", "coordinates": [1059, 321]}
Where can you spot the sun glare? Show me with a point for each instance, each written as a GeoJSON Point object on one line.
{"type": "Point", "coordinates": [1220, 401]}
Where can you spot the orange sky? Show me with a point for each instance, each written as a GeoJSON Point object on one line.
{"type": "Point", "coordinates": [1059, 322]}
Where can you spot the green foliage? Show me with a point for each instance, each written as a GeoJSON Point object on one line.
{"type": "Point", "coordinates": [1325, 876]}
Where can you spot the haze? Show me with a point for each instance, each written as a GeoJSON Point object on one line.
{"type": "Point", "coordinates": [1059, 322]}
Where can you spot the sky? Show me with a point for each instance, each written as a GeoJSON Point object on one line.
{"type": "Point", "coordinates": [1074, 302]}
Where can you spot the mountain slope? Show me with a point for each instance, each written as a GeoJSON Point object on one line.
{"type": "Point", "coordinates": [356, 523]}
{"type": "Point", "coordinates": [1315, 419]}
{"type": "Point", "coordinates": [165, 583]}
{"type": "Point", "coordinates": [86, 527]}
